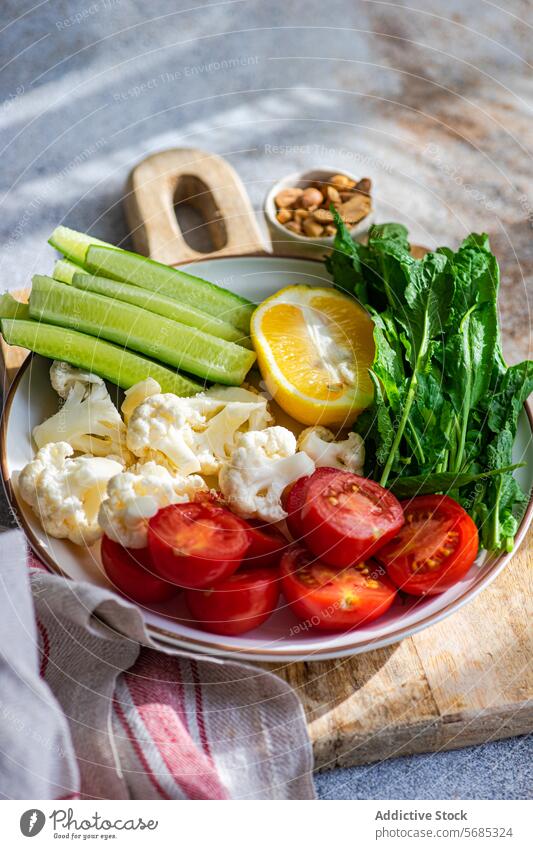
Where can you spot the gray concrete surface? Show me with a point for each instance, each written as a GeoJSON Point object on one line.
{"type": "Point", "coordinates": [433, 104]}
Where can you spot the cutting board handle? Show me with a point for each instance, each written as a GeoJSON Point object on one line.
{"type": "Point", "coordinates": [210, 186]}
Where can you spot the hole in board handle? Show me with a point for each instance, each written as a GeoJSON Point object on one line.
{"type": "Point", "coordinates": [197, 215]}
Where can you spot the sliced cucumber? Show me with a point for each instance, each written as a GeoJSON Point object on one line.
{"type": "Point", "coordinates": [144, 272]}
{"type": "Point", "coordinates": [161, 338]}
{"type": "Point", "coordinates": [167, 307]}
{"type": "Point", "coordinates": [72, 244]}
{"type": "Point", "coordinates": [118, 365]}
{"type": "Point", "coordinates": [105, 260]}
{"type": "Point", "coordinates": [64, 270]}
{"type": "Point", "coordinates": [11, 308]}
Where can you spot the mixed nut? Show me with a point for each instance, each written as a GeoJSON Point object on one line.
{"type": "Point", "coordinates": [307, 211]}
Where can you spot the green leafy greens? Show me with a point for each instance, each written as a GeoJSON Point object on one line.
{"type": "Point", "coordinates": [446, 406]}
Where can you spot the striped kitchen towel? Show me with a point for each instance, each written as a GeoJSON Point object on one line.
{"type": "Point", "coordinates": [124, 718]}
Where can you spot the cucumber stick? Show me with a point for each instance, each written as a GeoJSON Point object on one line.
{"type": "Point", "coordinates": [64, 270]}
{"type": "Point", "coordinates": [11, 308]}
{"type": "Point", "coordinates": [167, 307]}
{"type": "Point", "coordinates": [144, 272]}
{"type": "Point", "coordinates": [72, 244]}
{"type": "Point", "coordinates": [161, 338]}
{"type": "Point", "coordinates": [105, 260]}
{"type": "Point", "coordinates": [118, 365]}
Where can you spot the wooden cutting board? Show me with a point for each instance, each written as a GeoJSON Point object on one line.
{"type": "Point", "coordinates": [467, 680]}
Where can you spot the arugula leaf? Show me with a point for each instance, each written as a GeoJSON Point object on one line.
{"type": "Point", "coordinates": [388, 362]}
{"type": "Point", "coordinates": [472, 345]}
{"type": "Point", "coordinates": [443, 481]}
{"type": "Point", "coordinates": [419, 294]}
{"type": "Point", "coordinates": [446, 406]}
{"type": "Point", "coordinates": [510, 393]}
{"type": "Point", "coordinates": [503, 494]}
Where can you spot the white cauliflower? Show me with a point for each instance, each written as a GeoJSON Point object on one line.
{"type": "Point", "coordinates": [63, 376]}
{"type": "Point", "coordinates": [263, 464]}
{"type": "Point", "coordinates": [319, 444]}
{"type": "Point", "coordinates": [195, 434]}
{"type": "Point", "coordinates": [66, 492]}
{"type": "Point", "coordinates": [159, 430]}
{"type": "Point", "coordinates": [88, 420]}
{"type": "Point", "coordinates": [138, 393]}
{"type": "Point", "coordinates": [259, 414]}
{"type": "Point", "coordinates": [135, 495]}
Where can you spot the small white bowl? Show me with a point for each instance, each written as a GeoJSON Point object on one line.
{"type": "Point", "coordinates": [284, 241]}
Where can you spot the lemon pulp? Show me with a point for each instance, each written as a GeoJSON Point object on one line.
{"type": "Point", "coordinates": [314, 347]}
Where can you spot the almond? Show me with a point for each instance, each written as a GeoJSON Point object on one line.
{"type": "Point", "coordinates": [355, 209]}
{"type": "Point", "coordinates": [323, 216]}
{"type": "Point", "coordinates": [364, 186]}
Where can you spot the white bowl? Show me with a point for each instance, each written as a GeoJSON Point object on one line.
{"type": "Point", "coordinates": [284, 241]}
{"type": "Point", "coordinates": [31, 399]}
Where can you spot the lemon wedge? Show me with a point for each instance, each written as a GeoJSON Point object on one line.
{"type": "Point", "coordinates": [314, 347]}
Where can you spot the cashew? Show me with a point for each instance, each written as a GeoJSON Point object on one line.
{"type": "Point", "coordinates": [333, 195]}
{"type": "Point", "coordinates": [341, 181]}
{"type": "Point", "coordinates": [287, 197]}
{"type": "Point", "coordinates": [284, 215]}
{"type": "Point", "coordinates": [294, 227]}
{"type": "Point", "coordinates": [308, 211]}
{"type": "Point", "coordinates": [312, 228]}
{"type": "Point", "coordinates": [311, 197]}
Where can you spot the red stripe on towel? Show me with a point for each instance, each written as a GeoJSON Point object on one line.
{"type": "Point", "coordinates": [138, 748]}
{"type": "Point", "coordinates": [44, 648]}
{"type": "Point", "coordinates": [199, 700]}
{"type": "Point", "coordinates": [157, 691]}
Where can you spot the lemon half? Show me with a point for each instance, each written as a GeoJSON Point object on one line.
{"type": "Point", "coordinates": [314, 347]}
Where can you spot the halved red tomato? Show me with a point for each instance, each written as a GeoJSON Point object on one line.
{"type": "Point", "coordinates": [130, 570]}
{"type": "Point", "coordinates": [293, 501]}
{"type": "Point", "coordinates": [435, 548]}
{"type": "Point", "coordinates": [267, 544]}
{"type": "Point", "coordinates": [346, 518]}
{"type": "Point", "coordinates": [323, 597]}
{"type": "Point", "coordinates": [236, 604]}
{"type": "Point", "coordinates": [196, 544]}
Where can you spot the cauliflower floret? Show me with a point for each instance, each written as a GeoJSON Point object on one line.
{"type": "Point", "coordinates": [135, 495]}
{"type": "Point", "coordinates": [262, 465]}
{"type": "Point", "coordinates": [66, 492]}
{"type": "Point", "coordinates": [195, 434]}
{"type": "Point", "coordinates": [138, 393]}
{"type": "Point", "coordinates": [88, 420]}
{"type": "Point", "coordinates": [63, 376]}
{"type": "Point", "coordinates": [159, 430]}
{"type": "Point", "coordinates": [259, 417]}
{"type": "Point", "coordinates": [319, 443]}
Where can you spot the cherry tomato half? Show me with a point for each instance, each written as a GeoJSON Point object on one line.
{"type": "Point", "coordinates": [293, 501]}
{"type": "Point", "coordinates": [130, 570]}
{"type": "Point", "coordinates": [346, 518]}
{"type": "Point", "coordinates": [236, 604]}
{"type": "Point", "coordinates": [323, 597]}
{"type": "Point", "coordinates": [435, 548]}
{"type": "Point", "coordinates": [267, 544]}
{"type": "Point", "coordinates": [194, 545]}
